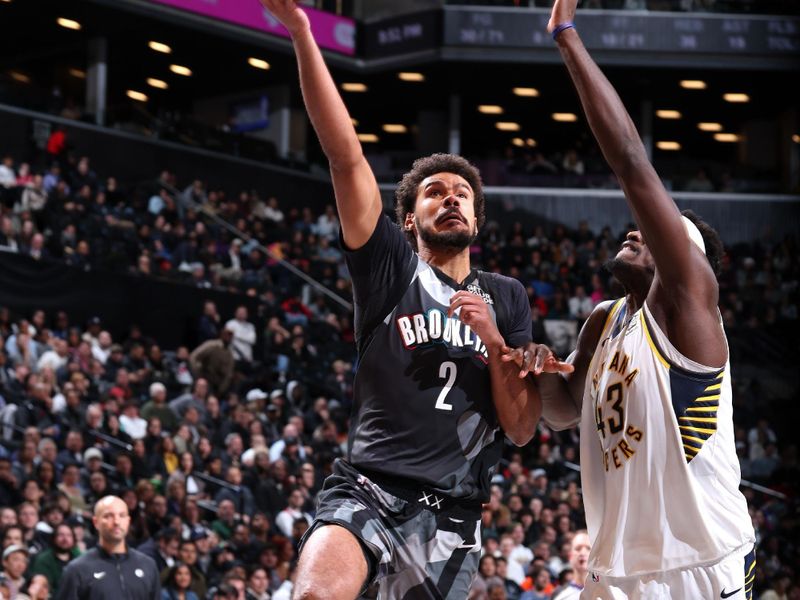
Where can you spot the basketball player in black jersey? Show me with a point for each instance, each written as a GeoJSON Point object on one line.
{"type": "Point", "coordinates": [433, 400]}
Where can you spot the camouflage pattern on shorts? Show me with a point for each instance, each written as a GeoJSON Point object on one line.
{"type": "Point", "coordinates": [419, 549]}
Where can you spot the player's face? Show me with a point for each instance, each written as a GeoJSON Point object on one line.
{"type": "Point", "coordinates": [633, 261]}
{"type": "Point", "coordinates": [444, 214]}
{"type": "Point", "coordinates": [634, 251]}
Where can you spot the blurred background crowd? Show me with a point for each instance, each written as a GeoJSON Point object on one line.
{"type": "Point", "coordinates": [220, 445]}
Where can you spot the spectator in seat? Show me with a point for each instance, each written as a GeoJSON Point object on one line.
{"type": "Point", "coordinates": [15, 562]}
{"type": "Point", "coordinates": [52, 561]}
{"type": "Point", "coordinates": [214, 361]}
{"type": "Point", "coordinates": [286, 518]}
{"type": "Point", "coordinates": [157, 407]}
{"type": "Point", "coordinates": [244, 337]}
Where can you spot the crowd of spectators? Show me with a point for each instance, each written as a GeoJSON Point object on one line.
{"type": "Point", "coordinates": [219, 447]}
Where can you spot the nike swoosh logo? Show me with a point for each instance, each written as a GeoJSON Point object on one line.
{"type": "Point", "coordinates": [99, 575]}
{"type": "Point", "coordinates": [729, 594]}
{"type": "Point", "coordinates": [465, 546]}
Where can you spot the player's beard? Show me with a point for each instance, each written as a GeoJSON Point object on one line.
{"type": "Point", "coordinates": [446, 240]}
{"type": "Point", "coordinates": [629, 275]}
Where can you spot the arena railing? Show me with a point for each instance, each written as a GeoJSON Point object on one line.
{"type": "Point", "coordinates": [245, 237]}
{"type": "Point", "coordinates": [738, 217]}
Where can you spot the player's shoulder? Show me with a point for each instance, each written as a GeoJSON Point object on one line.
{"type": "Point", "coordinates": [605, 307]}
{"type": "Point", "coordinates": [594, 326]}
{"type": "Point", "coordinates": [500, 282]}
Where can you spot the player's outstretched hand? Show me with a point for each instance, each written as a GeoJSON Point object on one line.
{"type": "Point", "coordinates": [536, 359]}
{"type": "Point", "coordinates": [289, 14]}
{"type": "Point", "coordinates": [475, 313]}
{"type": "Point", "coordinates": [563, 12]}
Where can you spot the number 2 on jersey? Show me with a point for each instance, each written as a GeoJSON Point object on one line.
{"type": "Point", "coordinates": [447, 371]}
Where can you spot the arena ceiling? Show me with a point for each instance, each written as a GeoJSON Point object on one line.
{"type": "Point", "coordinates": [39, 55]}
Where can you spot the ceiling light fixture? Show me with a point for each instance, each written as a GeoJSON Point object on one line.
{"type": "Point", "coordinates": [159, 47]}
{"type": "Point", "coordinates": [180, 70]}
{"type": "Point", "coordinates": [736, 97]}
{"type": "Point", "coordinates": [68, 23]}
{"type": "Point", "coordinates": [258, 63]}
{"type": "Point", "coordinates": [354, 87]}
{"type": "Point", "coordinates": [693, 84]}
{"type": "Point", "coordinates": [507, 126]}
{"type": "Point", "coordinates": [138, 96]}
{"type": "Point", "coordinates": [565, 117]}
{"type": "Point", "coordinates": [395, 128]}
{"type": "Point", "coordinates": [709, 126]}
{"type": "Point", "coordinates": [490, 109]}
{"type": "Point", "coordinates": [668, 114]}
{"type": "Point", "coordinates": [727, 137]}
{"type": "Point", "coordinates": [368, 138]}
{"type": "Point", "coordinates": [668, 145]}
{"type": "Point", "coordinates": [21, 77]}
{"type": "Point", "coordinates": [410, 76]}
{"type": "Point", "coordinates": [526, 92]}
{"type": "Point", "coordinates": [157, 83]}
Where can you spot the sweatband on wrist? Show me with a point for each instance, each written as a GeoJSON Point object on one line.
{"type": "Point", "coordinates": [562, 27]}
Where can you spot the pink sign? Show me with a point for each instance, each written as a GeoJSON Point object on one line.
{"type": "Point", "coordinates": [330, 31]}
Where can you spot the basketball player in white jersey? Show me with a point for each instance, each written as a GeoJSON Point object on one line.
{"type": "Point", "coordinates": [651, 387]}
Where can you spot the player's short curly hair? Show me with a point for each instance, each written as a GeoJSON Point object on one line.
{"type": "Point", "coordinates": [715, 250]}
{"type": "Point", "coordinates": [406, 194]}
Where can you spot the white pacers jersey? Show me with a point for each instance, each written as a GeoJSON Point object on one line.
{"type": "Point", "coordinates": [659, 469]}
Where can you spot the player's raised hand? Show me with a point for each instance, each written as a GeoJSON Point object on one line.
{"type": "Point", "coordinates": [563, 12]}
{"type": "Point", "coordinates": [475, 313]}
{"type": "Point", "coordinates": [536, 359]}
{"type": "Point", "coordinates": [289, 14]}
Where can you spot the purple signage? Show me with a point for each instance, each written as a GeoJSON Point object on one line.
{"type": "Point", "coordinates": [331, 32]}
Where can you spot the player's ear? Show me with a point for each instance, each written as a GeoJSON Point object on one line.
{"type": "Point", "coordinates": [409, 223]}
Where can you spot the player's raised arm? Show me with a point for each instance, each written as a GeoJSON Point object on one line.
{"type": "Point", "coordinates": [357, 195]}
{"type": "Point", "coordinates": [684, 277]}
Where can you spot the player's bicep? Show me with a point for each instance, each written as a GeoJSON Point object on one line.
{"type": "Point", "coordinates": [680, 266]}
{"type": "Point", "coordinates": [517, 331]}
{"type": "Point", "coordinates": [358, 200]}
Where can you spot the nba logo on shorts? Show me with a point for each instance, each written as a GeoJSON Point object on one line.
{"type": "Point", "coordinates": [595, 577]}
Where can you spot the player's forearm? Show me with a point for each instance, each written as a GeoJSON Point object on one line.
{"type": "Point", "coordinates": [609, 120]}
{"type": "Point", "coordinates": [325, 107]}
{"type": "Point", "coordinates": [653, 209]}
{"type": "Point", "coordinates": [559, 409]}
{"type": "Point", "coordinates": [516, 401]}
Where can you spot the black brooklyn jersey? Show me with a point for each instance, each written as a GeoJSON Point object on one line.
{"type": "Point", "coordinates": [423, 404]}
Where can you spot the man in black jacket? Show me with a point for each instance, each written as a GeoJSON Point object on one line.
{"type": "Point", "coordinates": [111, 570]}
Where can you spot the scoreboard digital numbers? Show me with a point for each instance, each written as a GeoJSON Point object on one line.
{"type": "Point", "coordinates": [662, 33]}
